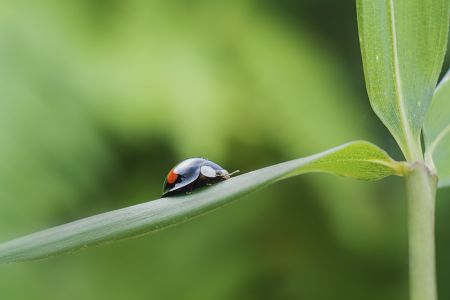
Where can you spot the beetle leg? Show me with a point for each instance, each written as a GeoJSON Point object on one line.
{"type": "Point", "coordinates": [190, 190]}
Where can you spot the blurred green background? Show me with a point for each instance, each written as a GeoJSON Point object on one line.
{"type": "Point", "coordinates": [100, 98]}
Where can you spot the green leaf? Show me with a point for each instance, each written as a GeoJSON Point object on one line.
{"type": "Point", "coordinates": [437, 132]}
{"type": "Point", "coordinates": [403, 45]}
{"type": "Point", "coordinates": [361, 160]}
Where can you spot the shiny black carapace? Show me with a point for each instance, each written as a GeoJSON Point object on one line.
{"type": "Point", "coordinates": [193, 173]}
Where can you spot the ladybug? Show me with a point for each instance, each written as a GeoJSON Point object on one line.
{"type": "Point", "coordinates": [193, 173]}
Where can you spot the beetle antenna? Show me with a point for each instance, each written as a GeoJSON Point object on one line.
{"type": "Point", "coordinates": [234, 172]}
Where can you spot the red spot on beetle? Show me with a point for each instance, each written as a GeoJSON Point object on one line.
{"type": "Point", "coordinates": [172, 177]}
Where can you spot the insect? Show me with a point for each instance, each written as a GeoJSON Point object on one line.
{"type": "Point", "coordinates": [193, 173]}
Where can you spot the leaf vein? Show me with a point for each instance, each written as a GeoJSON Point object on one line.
{"type": "Point", "coordinates": [398, 83]}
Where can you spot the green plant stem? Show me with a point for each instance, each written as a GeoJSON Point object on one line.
{"type": "Point", "coordinates": [421, 192]}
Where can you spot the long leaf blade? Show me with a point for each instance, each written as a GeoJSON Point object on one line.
{"type": "Point", "coordinates": [403, 45]}
{"type": "Point", "coordinates": [360, 160]}
{"type": "Point", "coordinates": [437, 131]}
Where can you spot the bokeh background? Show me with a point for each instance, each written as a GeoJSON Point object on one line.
{"type": "Point", "coordinates": [100, 98]}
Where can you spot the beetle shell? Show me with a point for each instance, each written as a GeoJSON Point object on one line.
{"type": "Point", "coordinates": [192, 173]}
